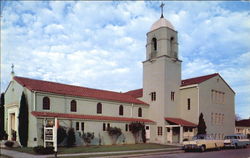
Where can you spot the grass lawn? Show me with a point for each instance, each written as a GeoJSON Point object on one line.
{"type": "Point", "coordinates": [104, 148]}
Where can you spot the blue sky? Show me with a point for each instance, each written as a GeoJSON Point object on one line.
{"type": "Point", "coordinates": [102, 44]}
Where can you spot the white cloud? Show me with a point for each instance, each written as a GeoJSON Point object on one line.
{"type": "Point", "coordinates": [102, 44]}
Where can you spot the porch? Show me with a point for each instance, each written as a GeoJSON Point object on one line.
{"type": "Point", "coordinates": [179, 130]}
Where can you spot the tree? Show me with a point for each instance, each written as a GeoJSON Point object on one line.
{"type": "Point", "coordinates": [2, 132]}
{"type": "Point", "coordinates": [202, 125]}
{"type": "Point", "coordinates": [61, 134]}
{"type": "Point", "coordinates": [135, 128]}
{"type": "Point", "coordinates": [114, 133]}
{"type": "Point", "coordinates": [87, 137]}
{"type": "Point", "coordinates": [23, 124]}
{"type": "Point", "coordinates": [71, 137]}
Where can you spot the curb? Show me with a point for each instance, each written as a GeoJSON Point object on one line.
{"type": "Point", "coordinates": [139, 155]}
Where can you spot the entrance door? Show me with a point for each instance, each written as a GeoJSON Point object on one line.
{"type": "Point", "coordinates": [13, 126]}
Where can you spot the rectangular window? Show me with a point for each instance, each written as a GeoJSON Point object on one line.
{"type": "Point", "coordinates": [82, 126]}
{"type": "Point", "coordinates": [159, 131]}
{"type": "Point", "coordinates": [77, 126]}
{"type": "Point", "coordinates": [188, 103]}
{"type": "Point", "coordinates": [153, 96]}
{"type": "Point", "coordinates": [126, 127]}
{"type": "Point", "coordinates": [104, 127]}
{"type": "Point", "coordinates": [108, 126]}
{"type": "Point", "coordinates": [172, 96]}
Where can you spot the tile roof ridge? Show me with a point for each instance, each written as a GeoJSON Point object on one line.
{"type": "Point", "coordinates": [68, 84]}
{"type": "Point", "coordinates": [200, 76]}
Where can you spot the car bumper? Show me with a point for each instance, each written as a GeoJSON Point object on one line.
{"type": "Point", "coordinates": [191, 147]}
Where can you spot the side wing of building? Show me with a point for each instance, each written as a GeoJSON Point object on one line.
{"type": "Point", "coordinates": [216, 102]}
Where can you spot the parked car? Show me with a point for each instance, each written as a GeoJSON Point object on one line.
{"type": "Point", "coordinates": [236, 141]}
{"type": "Point", "coordinates": [202, 143]}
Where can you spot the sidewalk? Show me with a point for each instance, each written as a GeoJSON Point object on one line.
{"type": "Point", "coordinates": [132, 153]}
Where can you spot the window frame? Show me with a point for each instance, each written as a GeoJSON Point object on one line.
{"type": "Point", "coordinates": [46, 103]}
{"type": "Point", "coordinates": [73, 107]}
{"type": "Point", "coordinates": [99, 108]}
{"type": "Point", "coordinates": [121, 110]}
{"type": "Point", "coordinates": [139, 112]}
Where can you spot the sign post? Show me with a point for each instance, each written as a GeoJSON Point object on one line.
{"type": "Point", "coordinates": [50, 134]}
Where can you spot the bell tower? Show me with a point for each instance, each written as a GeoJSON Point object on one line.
{"type": "Point", "coordinates": [162, 75]}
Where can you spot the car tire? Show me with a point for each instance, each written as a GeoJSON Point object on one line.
{"type": "Point", "coordinates": [202, 148]}
{"type": "Point", "coordinates": [235, 146]}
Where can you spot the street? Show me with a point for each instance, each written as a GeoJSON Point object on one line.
{"type": "Point", "coordinates": [226, 153]}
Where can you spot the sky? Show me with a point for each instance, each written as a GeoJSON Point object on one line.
{"type": "Point", "coordinates": [102, 44]}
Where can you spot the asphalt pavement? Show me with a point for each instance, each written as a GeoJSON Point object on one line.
{"type": "Point", "coordinates": [226, 153]}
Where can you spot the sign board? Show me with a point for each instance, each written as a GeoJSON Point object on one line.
{"type": "Point", "coordinates": [50, 133]}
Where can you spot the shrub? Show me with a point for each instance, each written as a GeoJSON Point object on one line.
{"type": "Point", "coordinates": [114, 133]}
{"type": "Point", "coordinates": [9, 144]}
{"type": "Point", "coordinates": [42, 150]}
{"type": "Point", "coordinates": [61, 134]}
{"type": "Point", "coordinates": [3, 135]}
{"type": "Point", "coordinates": [71, 137]}
{"type": "Point", "coordinates": [87, 137]}
{"type": "Point", "coordinates": [23, 121]}
{"type": "Point", "coordinates": [135, 128]}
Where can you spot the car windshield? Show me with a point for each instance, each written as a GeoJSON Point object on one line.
{"type": "Point", "coordinates": [199, 137]}
{"type": "Point", "coordinates": [230, 137]}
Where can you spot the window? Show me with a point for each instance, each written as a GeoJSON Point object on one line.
{"type": "Point", "coordinates": [139, 112]}
{"type": "Point", "coordinates": [108, 126]}
{"type": "Point", "coordinates": [188, 103]}
{"type": "Point", "coordinates": [190, 129]}
{"type": "Point", "coordinates": [216, 117]}
{"type": "Point", "coordinates": [77, 126]}
{"type": "Point", "coordinates": [104, 127]}
{"type": "Point", "coordinates": [185, 129]}
{"type": "Point", "coordinates": [121, 110]}
{"type": "Point", "coordinates": [212, 118]}
{"type": "Point", "coordinates": [73, 106]}
{"type": "Point", "coordinates": [222, 119]}
{"type": "Point", "coordinates": [99, 108]}
{"type": "Point", "coordinates": [159, 131]}
{"type": "Point", "coordinates": [126, 127]}
{"type": "Point", "coordinates": [154, 44]}
{"type": "Point", "coordinates": [46, 103]}
{"type": "Point", "coordinates": [82, 126]}
{"type": "Point", "coordinates": [153, 96]}
{"type": "Point", "coordinates": [172, 96]}
{"type": "Point", "coordinates": [171, 47]}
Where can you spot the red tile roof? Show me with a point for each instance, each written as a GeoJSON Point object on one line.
{"type": "Point", "coordinates": [179, 121]}
{"type": "Point", "coordinates": [197, 80]}
{"type": "Point", "coordinates": [243, 123]}
{"type": "Point", "coordinates": [58, 88]}
{"type": "Point", "coordinates": [135, 93]}
{"type": "Point", "coordinates": [90, 117]}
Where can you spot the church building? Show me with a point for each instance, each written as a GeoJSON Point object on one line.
{"type": "Point", "coordinates": [168, 106]}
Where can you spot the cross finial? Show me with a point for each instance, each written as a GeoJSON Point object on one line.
{"type": "Point", "coordinates": [162, 5]}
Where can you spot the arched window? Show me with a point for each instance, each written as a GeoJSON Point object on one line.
{"type": "Point", "coordinates": [154, 44]}
{"type": "Point", "coordinates": [99, 108]}
{"type": "Point", "coordinates": [46, 103]}
{"type": "Point", "coordinates": [139, 112]}
{"type": "Point", "coordinates": [121, 110]}
{"type": "Point", "coordinates": [172, 51]}
{"type": "Point", "coordinates": [73, 106]}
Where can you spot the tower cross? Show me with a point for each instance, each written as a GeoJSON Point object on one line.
{"type": "Point", "coordinates": [162, 5]}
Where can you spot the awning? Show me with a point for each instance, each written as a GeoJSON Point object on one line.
{"type": "Point", "coordinates": [181, 122]}
{"type": "Point", "coordinates": [89, 117]}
